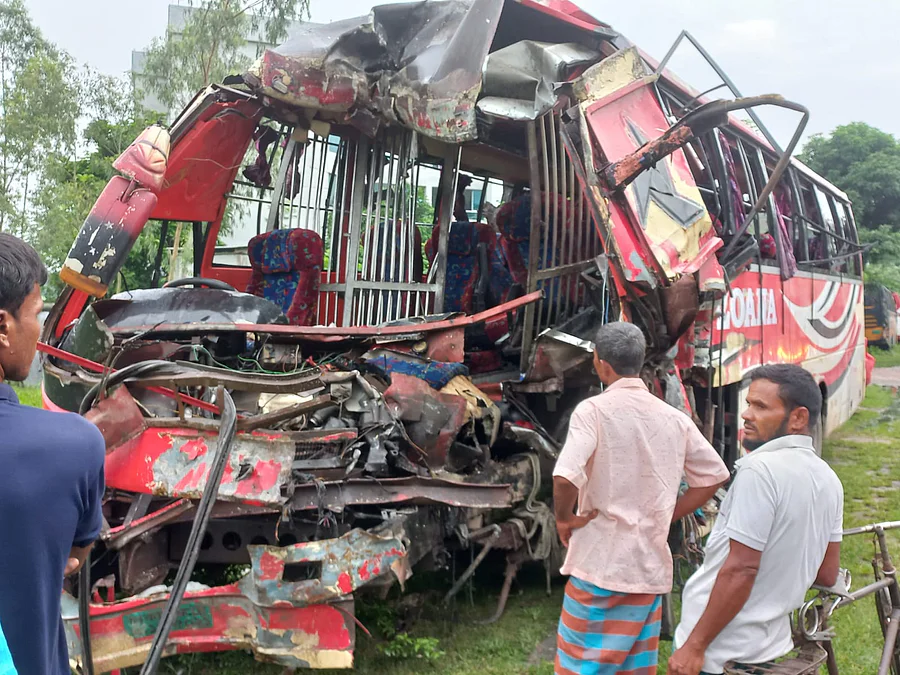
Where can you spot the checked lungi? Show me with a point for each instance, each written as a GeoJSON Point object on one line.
{"type": "Point", "coordinates": [604, 633]}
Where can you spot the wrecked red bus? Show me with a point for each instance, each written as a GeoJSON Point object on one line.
{"type": "Point", "coordinates": [363, 386]}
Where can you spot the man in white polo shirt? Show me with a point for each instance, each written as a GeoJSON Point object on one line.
{"type": "Point", "coordinates": [778, 533]}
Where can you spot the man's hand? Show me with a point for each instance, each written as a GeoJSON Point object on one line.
{"type": "Point", "coordinates": [569, 525]}
{"type": "Point", "coordinates": [77, 556]}
{"type": "Point", "coordinates": [686, 661]}
{"type": "Point", "coordinates": [72, 565]}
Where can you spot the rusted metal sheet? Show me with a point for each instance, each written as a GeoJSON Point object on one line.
{"type": "Point", "coordinates": [432, 419]}
{"type": "Point", "coordinates": [118, 418]}
{"type": "Point", "coordinates": [203, 376]}
{"type": "Point", "coordinates": [174, 462]}
{"type": "Point", "coordinates": [416, 490]}
{"type": "Point", "coordinates": [625, 170]}
{"type": "Point", "coordinates": [446, 346]}
{"type": "Point", "coordinates": [279, 619]}
{"type": "Point", "coordinates": [345, 564]}
{"type": "Point", "coordinates": [117, 537]}
{"type": "Point", "coordinates": [93, 367]}
{"type": "Point", "coordinates": [267, 419]}
{"type": "Point", "coordinates": [218, 619]}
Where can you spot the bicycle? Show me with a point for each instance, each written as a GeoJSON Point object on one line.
{"type": "Point", "coordinates": [812, 634]}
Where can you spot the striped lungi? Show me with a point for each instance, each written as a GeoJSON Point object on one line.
{"type": "Point", "coordinates": [604, 633]}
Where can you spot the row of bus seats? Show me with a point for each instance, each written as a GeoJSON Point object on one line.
{"type": "Point", "coordinates": [485, 267]}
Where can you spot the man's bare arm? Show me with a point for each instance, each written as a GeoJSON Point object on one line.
{"type": "Point", "coordinates": [831, 566]}
{"type": "Point", "coordinates": [565, 496]}
{"type": "Point", "coordinates": [729, 594]}
{"type": "Point", "coordinates": [693, 499]}
{"type": "Point", "coordinates": [77, 556]}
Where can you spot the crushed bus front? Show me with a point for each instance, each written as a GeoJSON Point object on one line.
{"type": "Point", "coordinates": [401, 379]}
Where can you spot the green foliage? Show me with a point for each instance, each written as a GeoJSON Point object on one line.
{"type": "Point", "coordinates": [39, 107]}
{"type": "Point", "coordinates": [29, 395]}
{"type": "Point", "coordinates": [209, 45]}
{"type": "Point", "coordinates": [865, 163]}
{"type": "Point", "coordinates": [68, 188]}
{"type": "Point", "coordinates": [403, 646]}
{"type": "Point", "coordinates": [881, 259]}
{"type": "Point", "coordinates": [424, 209]}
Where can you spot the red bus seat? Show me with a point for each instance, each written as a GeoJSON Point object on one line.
{"type": "Point", "coordinates": [287, 268]}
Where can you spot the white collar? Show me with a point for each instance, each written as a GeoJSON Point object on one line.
{"type": "Point", "coordinates": [799, 442]}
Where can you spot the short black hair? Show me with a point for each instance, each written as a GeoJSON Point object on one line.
{"type": "Point", "coordinates": [20, 269]}
{"type": "Point", "coordinates": [796, 387]}
{"type": "Point", "coordinates": [623, 346]}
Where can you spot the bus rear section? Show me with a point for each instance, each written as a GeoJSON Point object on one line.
{"type": "Point", "coordinates": [396, 283]}
{"type": "Point", "coordinates": [881, 316]}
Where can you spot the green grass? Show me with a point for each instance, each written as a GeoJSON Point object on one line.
{"type": "Point", "coordinates": [28, 395]}
{"type": "Point", "coordinates": [864, 455]}
{"type": "Point", "coordinates": [886, 358]}
{"type": "Point", "coordinates": [867, 465]}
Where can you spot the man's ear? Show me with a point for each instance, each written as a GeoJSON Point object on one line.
{"type": "Point", "coordinates": [799, 420]}
{"type": "Point", "coordinates": [5, 317]}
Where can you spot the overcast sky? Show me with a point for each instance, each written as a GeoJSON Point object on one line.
{"type": "Point", "coordinates": [838, 58]}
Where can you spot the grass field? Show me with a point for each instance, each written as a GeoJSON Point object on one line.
{"type": "Point", "coordinates": [864, 455]}
{"type": "Point", "coordinates": [28, 395]}
{"type": "Point", "coordinates": [885, 358]}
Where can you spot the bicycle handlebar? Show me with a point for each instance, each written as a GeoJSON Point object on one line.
{"type": "Point", "coordinates": [892, 525]}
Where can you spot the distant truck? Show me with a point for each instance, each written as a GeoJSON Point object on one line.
{"type": "Point", "coordinates": [881, 316]}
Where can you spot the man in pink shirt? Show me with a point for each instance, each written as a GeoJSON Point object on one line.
{"type": "Point", "coordinates": [615, 494]}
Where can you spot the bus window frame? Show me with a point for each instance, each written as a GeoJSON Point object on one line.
{"type": "Point", "coordinates": [852, 234]}
{"type": "Point", "coordinates": [829, 225]}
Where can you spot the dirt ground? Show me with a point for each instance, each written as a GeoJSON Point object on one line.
{"type": "Point", "coordinates": [886, 377]}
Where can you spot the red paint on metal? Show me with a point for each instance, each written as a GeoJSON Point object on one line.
{"type": "Point", "coordinates": [72, 311]}
{"type": "Point", "coordinates": [800, 320]}
{"type": "Point", "coordinates": [204, 161]}
{"type": "Point", "coordinates": [193, 449]}
{"type": "Point", "coordinates": [268, 435]}
{"type": "Point", "coordinates": [264, 477]}
{"type": "Point", "coordinates": [130, 466]}
{"type": "Point", "coordinates": [193, 480]}
{"type": "Point", "coordinates": [324, 621]}
{"type": "Point", "coordinates": [271, 567]}
{"type": "Point", "coordinates": [345, 583]}
{"type": "Point", "coordinates": [364, 572]}
{"type": "Point", "coordinates": [234, 623]}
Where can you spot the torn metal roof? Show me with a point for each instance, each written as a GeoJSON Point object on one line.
{"type": "Point", "coordinates": [425, 65]}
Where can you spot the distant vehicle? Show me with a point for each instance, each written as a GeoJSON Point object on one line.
{"type": "Point", "coordinates": [881, 316]}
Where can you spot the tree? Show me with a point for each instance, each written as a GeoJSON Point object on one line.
{"type": "Point", "coordinates": [882, 256]}
{"type": "Point", "coordinates": [69, 187]}
{"type": "Point", "coordinates": [39, 107]}
{"type": "Point", "coordinates": [865, 163]}
{"type": "Point", "coordinates": [209, 45]}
